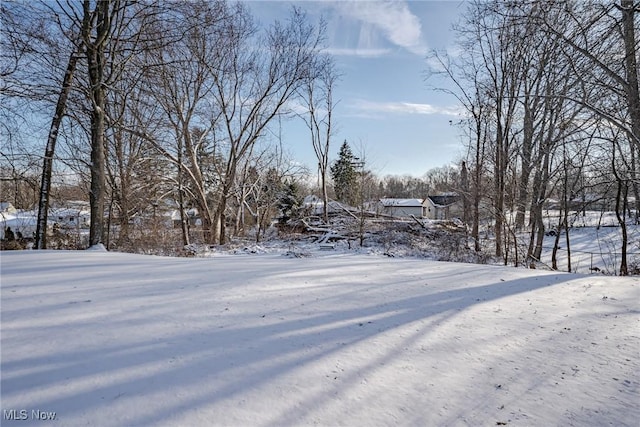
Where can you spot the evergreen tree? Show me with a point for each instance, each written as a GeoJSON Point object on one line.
{"type": "Point", "coordinates": [289, 202]}
{"type": "Point", "coordinates": [344, 175]}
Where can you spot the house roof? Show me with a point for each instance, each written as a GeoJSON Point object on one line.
{"type": "Point", "coordinates": [444, 200]}
{"type": "Point", "coordinates": [316, 205]}
{"type": "Point", "coordinates": [401, 202]}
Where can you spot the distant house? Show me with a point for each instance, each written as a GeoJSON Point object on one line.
{"type": "Point", "coordinates": [313, 205]}
{"type": "Point", "coordinates": [402, 208]}
{"type": "Point", "coordinates": [191, 215]}
{"type": "Point", "coordinates": [70, 217]}
{"type": "Point", "coordinates": [6, 208]}
{"type": "Point", "coordinates": [73, 215]}
{"type": "Point", "coordinates": [445, 206]}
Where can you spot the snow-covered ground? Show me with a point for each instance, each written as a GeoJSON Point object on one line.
{"type": "Point", "coordinates": [112, 339]}
{"type": "Point", "coordinates": [595, 250]}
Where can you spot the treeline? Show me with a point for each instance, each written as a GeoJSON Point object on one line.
{"type": "Point", "coordinates": [154, 100]}
{"type": "Point", "coordinates": [146, 101]}
{"type": "Point", "coordinates": [550, 94]}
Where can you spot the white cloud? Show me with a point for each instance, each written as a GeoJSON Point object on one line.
{"type": "Point", "coordinates": [364, 108]}
{"type": "Point", "coordinates": [393, 17]}
{"type": "Point", "coordinates": [362, 52]}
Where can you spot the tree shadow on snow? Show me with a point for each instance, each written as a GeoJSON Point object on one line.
{"type": "Point", "coordinates": [200, 366]}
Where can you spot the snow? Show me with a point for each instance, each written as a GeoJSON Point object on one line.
{"type": "Point", "coordinates": [594, 249]}
{"type": "Point", "coordinates": [97, 248]}
{"type": "Point", "coordinates": [18, 222]}
{"type": "Point", "coordinates": [112, 339]}
{"type": "Point", "coordinates": [401, 202]}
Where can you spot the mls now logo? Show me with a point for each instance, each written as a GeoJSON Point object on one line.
{"type": "Point", "coordinates": [23, 414]}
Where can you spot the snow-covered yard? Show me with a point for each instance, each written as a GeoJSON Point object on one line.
{"type": "Point", "coordinates": [595, 249]}
{"type": "Point", "coordinates": [112, 339]}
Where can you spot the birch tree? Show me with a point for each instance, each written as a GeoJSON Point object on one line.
{"type": "Point", "coordinates": [49, 152]}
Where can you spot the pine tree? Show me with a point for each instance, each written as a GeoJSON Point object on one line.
{"type": "Point", "coordinates": [289, 202]}
{"type": "Point", "coordinates": [344, 175]}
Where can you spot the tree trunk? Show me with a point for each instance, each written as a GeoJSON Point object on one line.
{"type": "Point", "coordinates": [621, 202]}
{"type": "Point", "coordinates": [565, 208]}
{"type": "Point", "coordinates": [238, 225]}
{"type": "Point", "coordinates": [567, 238]}
{"type": "Point", "coordinates": [477, 192]}
{"type": "Point", "coordinates": [523, 183]}
{"type": "Point", "coordinates": [536, 235]}
{"type": "Point", "coordinates": [123, 194]}
{"type": "Point", "coordinates": [498, 206]}
{"type": "Point", "coordinates": [633, 93]}
{"type": "Point", "coordinates": [96, 195]}
{"type": "Point", "coordinates": [325, 196]}
{"type": "Point", "coordinates": [464, 183]}
{"type": "Point", "coordinates": [541, 197]}
{"type": "Point", "coordinates": [556, 242]}
{"type": "Point", "coordinates": [183, 221]}
{"type": "Point", "coordinates": [96, 65]}
{"type": "Point", "coordinates": [534, 212]}
{"type": "Point", "coordinates": [47, 164]}
{"type": "Point", "coordinates": [219, 229]}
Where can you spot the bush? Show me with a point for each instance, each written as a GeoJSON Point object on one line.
{"type": "Point", "coordinates": [12, 245]}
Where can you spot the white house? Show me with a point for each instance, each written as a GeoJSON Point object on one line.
{"type": "Point", "coordinates": [445, 206]}
{"type": "Point", "coordinates": [70, 217]}
{"type": "Point", "coordinates": [403, 208]}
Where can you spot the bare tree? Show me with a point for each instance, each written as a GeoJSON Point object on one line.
{"type": "Point", "coordinates": [615, 82]}
{"type": "Point", "coordinates": [488, 79]}
{"type": "Point", "coordinates": [466, 74]}
{"type": "Point", "coordinates": [30, 43]}
{"type": "Point", "coordinates": [49, 152]}
{"type": "Point", "coordinates": [598, 34]}
{"type": "Point", "coordinates": [495, 54]}
{"type": "Point", "coordinates": [534, 67]}
{"type": "Point", "coordinates": [182, 71]}
{"type": "Point", "coordinates": [110, 35]}
{"type": "Point", "coordinates": [253, 86]}
{"type": "Point", "coordinates": [101, 18]}
{"type": "Point", "coordinates": [259, 188]}
{"type": "Point", "coordinates": [318, 98]}
{"type": "Point", "coordinates": [134, 171]}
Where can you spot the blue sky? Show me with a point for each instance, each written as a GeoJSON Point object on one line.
{"type": "Point", "coordinates": [385, 107]}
